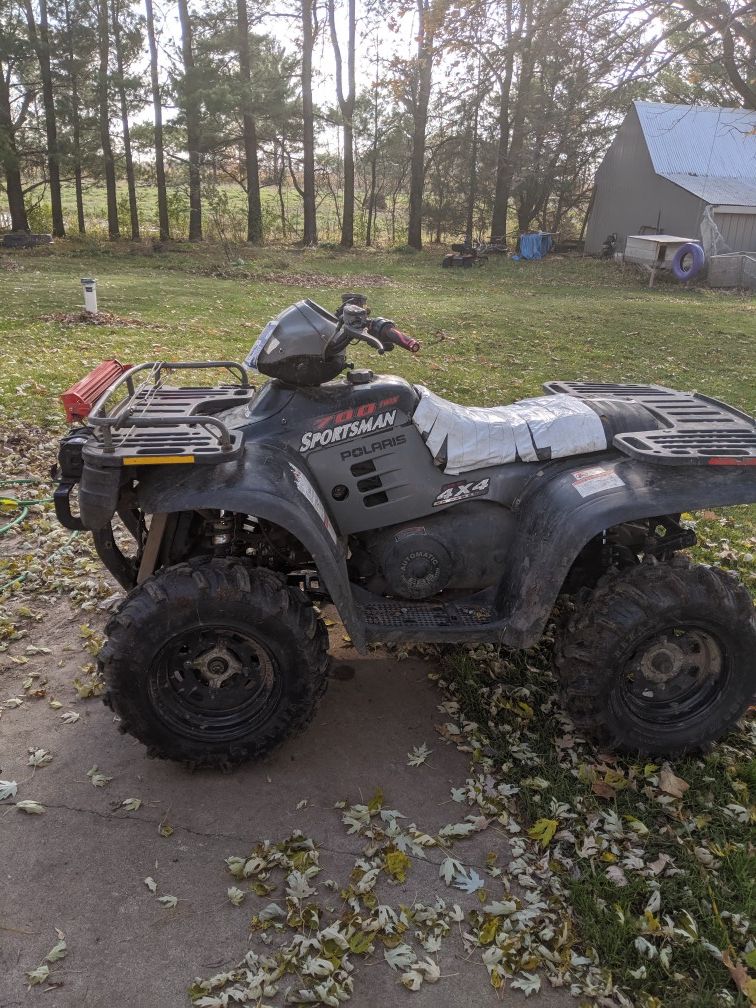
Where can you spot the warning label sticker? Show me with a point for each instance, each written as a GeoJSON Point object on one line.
{"type": "Point", "coordinates": [592, 481]}
{"type": "Point", "coordinates": [308, 490]}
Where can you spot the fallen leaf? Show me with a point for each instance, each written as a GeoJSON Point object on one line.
{"type": "Point", "coordinates": [419, 755]}
{"type": "Point", "coordinates": [397, 864]}
{"type": "Point", "coordinates": [460, 829]}
{"type": "Point", "coordinates": [670, 784]}
{"type": "Point", "coordinates": [151, 884]}
{"type": "Point", "coordinates": [69, 717]}
{"type": "Point", "coordinates": [528, 983]}
{"type": "Point", "coordinates": [661, 862]}
{"type": "Point", "coordinates": [98, 779]}
{"type": "Point", "coordinates": [297, 886]}
{"type": "Point", "coordinates": [615, 874]}
{"type": "Point", "coordinates": [737, 971]}
{"type": "Point", "coordinates": [500, 908]}
{"type": "Point", "coordinates": [130, 804]}
{"type": "Point", "coordinates": [32, 807]}
{"type": "Point", "coordinates": [235, 895]}
{"type": "Point", "coordinates": [543, 831]}
{"type": "Point", "coordinates": [448, 869]}
{"type": "Point", "coordinates": [468, 882]}
{"type": "Point", "coordinates": [168, 901]}
{"type": "Point", "coordinates": [38, 975]}
{"type": "Point", "coordinates": [400, 957]}
{"type": "Point", "coordinates": [58, 951]}
{"type": "Point", "coordinates": [8, 789]}
{"type": "Point", "coordinates": [39, 757]}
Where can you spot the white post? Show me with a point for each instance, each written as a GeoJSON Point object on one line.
{"type": "Point", "coordinates": [90, 295]}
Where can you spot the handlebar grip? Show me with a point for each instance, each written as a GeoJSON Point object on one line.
{"type": "Point", "coordinates": [400, 339]}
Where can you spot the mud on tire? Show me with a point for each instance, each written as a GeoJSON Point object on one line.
{"type": "Point", "coordinates": [212, 663]}
{"type": "Point", "coordinates": [660, 658]}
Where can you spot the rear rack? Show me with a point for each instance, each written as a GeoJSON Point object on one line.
{"type": "Point", "coordinates": [158, 423]}
{"type": "Point", "coordinates": [697, 430]}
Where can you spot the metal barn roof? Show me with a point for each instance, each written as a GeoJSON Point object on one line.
{"type": "Point", "coordinates": [703, 149]}
{"type": "Point", "coordinates": [717, 190]}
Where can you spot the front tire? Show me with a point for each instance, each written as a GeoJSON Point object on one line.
{"type": "Point", "coordinates": [661, 658]}
{"type": "Point", "coordinates": [212, 664]}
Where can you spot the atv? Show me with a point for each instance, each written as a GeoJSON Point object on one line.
{"type": "Point", "coordinates": [465, 254]}
{"type": "Point", "coordinates": [419, 519]}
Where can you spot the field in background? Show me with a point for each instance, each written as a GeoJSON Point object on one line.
{"type": "Point", "coordinates": [224, 213]}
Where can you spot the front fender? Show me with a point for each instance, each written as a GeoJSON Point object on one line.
{"type": "Point", "coordinates": [556, 520]}
{"type": "Point", "coordinates": [268, 482]}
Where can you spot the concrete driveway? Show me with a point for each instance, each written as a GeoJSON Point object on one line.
{"type": "Point", "coordinates": [80, 865]}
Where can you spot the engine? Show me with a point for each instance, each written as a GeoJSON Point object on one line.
{"type": "Point", "coordinates": [458, 551]}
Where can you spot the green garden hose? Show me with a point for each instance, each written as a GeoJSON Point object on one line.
{"type": "Point", "coordinates": [23, 506]}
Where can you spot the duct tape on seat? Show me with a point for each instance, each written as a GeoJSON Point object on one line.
{"type": "Point", "coordinates": [462, 438]}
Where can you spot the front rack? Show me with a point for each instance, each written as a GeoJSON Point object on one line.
{"type": "Point", "coordinates": [156, 422]}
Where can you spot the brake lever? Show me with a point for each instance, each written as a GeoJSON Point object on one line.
{"type": "Point", "coordinates": [372, 341]}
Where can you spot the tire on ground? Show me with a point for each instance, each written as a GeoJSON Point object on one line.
{"type": "Point", "coordinates": [188, 599]}
{"type": "Point", "coordinates": [604, 643]}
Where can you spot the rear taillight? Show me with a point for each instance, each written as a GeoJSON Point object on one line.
{"type": "Point", "coordinates": [81, 397]}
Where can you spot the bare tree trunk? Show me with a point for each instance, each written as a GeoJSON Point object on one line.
{"type": "Point", "coordinates": [193, 133]}
{"type": "Point", "coordinates": [280, 184]}
{"type": "Point", "coordinates": [473, 176]}
{"type": "Point", "coordinates": [76, 122]}
{"type": "Point", "coordinates": [429, 13]}
{"type": "Point", "coordinates": [103, 32]}
{"type": "Point", "coordinates": [130, 179]}
{"type": "Point", "coordinates": [157, 105]}
{"type": "Point", "coordinates": [40, 40]}
{"type": "Point", "coordinates": [509, 158]}
{"type": "Point", "coordinates": [13, 184]}
{"type": "Point", "coordinates": [373, 158]}
{"type": "Point", "coordinates": [249, 129]}
{"type": "Point", "coordinates": [310, 225]}
{"type": "Point", "coordinates": [346, 105]}
{"type": "Point", "coordinates": [501, 188]}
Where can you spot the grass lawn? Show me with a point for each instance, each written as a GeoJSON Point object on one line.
{"type": "Point", "coordinates": [636, 889]}
{"type": "Point", "coordinates": [491, 334]}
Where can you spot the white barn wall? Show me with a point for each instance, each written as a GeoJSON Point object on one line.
{"type": "Point", "coordinates": [630, 194]}
{"type": "Point", "coordinates": [738, 230]}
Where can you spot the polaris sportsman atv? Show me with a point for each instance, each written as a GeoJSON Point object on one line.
{"type": "Point", "coordinates": [419, 519]}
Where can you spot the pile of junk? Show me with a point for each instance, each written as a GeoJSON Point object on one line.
{"type": "Point", "coordinates": [467, 252]}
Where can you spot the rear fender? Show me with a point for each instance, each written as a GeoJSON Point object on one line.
{"type": "Point", "coordinates": [559, 514]}
{"type": "Point", "coordinates": [269, 483]}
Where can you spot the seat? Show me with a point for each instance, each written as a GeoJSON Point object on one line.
{"type": "Point", "coordinates": [463, 438]}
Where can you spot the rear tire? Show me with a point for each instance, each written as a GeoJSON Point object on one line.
{"type": "Point", "coordinates": [213, 664]}
{"type": "Point", "coordinates": [660, 658]}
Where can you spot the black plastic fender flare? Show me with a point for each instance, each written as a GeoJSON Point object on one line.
{"type": "Point", "coordinates": [268, 482]}
{"type": "Point", "coordinates": [555, 522]}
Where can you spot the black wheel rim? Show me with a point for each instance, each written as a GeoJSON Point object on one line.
{"type": "Point", "coordinates": [214, 684]}
{"type": "Point", "coordinates": [674, 675]}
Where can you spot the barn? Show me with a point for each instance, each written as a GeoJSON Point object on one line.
{"type": "Point", "coordinates": [666, 166]}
